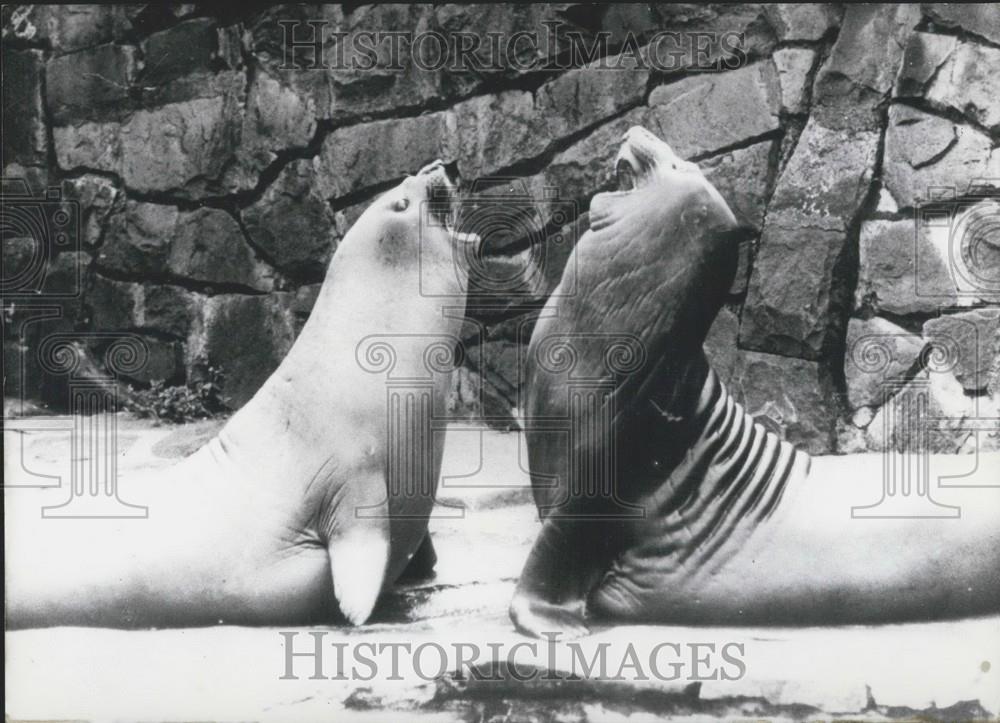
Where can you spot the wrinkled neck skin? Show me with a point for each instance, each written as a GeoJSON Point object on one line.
{"type": "Point", "coordinates": [702, 505]}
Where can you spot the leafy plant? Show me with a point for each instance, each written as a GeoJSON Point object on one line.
{"type": "Point", "coordinates": [198, 399]}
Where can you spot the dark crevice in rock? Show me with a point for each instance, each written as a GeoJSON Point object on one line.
{"type": "Point", "coordinates": [51, 159]}
{"type": "Point", "coordinates": [536, 164]}
{"type": "Point", "coordinates": [804, 44]}
{"type": "Point", "coordinates": [845, 275]}
{"type": "Point", "coordinates": [362, 195]}
{"type": "Point", "coordinates": [258, 251]}
{"type": "Point", "coordinates": [912, 322]}
{"type": "Point", "coordinates": [946, 113]}
{"type": "Point", "coordinates": [209, 288]}
{"type": "Point", "coordinates": [738, 146]}
{"type": "Point", "coordinates": [937, 156]}
{"type": "Point", "coordinates": [928, 25]}
{"type": "Point", "coordinates": [13, 42]}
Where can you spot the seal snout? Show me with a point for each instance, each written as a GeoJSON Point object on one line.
{"type": "Point", "coordinates": [641, 154]}
{"type": "Point", "coordinates": [439, 173]}
{"type": "Point", "coordinates": [441, 181]}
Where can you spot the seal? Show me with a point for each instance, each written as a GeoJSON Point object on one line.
{"type": "Point", "coordinates": [301, 504]}
{"type": "Point", "coordinates": [662, 500]}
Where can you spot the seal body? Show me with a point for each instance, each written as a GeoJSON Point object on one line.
{"type": "Point", "coordinates": [661, 499]}
{"type": "Point", "coordinates": [301, 504]}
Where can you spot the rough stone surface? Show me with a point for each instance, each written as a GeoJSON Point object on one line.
{"type": "Point", "coordinates": [365, 155]}
{"type": "Point", "coordinates": [277, 117]}
{"type": "Point", "coordinates": [205, 245]}
{"type": "Point", "coordinates": [709, 112]}
{"type": "Point", "coordinates": [96, 198]}
{"type": "Point", "coordinates": [720, 344]}
{"type": "Point", "coordinates": [949, 405]}
{"type": "Point", "coordinates": [877, 352]}
{"type": "Point", "coordinates": [292, 223]}
{"type": "Point", "coordinates": [714, 24]}
{"type": "Point", "coordinates": [888, 270]}
{"type": "Point", "coordinates": [69, 27]}
{"type": "Point", "coordinates": [24, 135]}
{"type": "Point", "coordinates": [908, 268]}
{"type": "Point", "coordinates": [490, 132]}
{"type": "Point", "coordinates": [183, 147]}
{"type": "Point", "coordinates": [90, 84]}
{"type": "Point", "coordinates": [124, 305]}
{"type": "Point", "coordinates": [742, 177]}
{"type": "Point", "coordinates": [803, 21]}
{"type": "Point", "coordinates": [925, 152]}
{"type": "Point", "coordinates": [967, 344]}
{"type": "Point", "coordinates": [164, 362]}
{"type": "Point", "coordinates": [201, 165]}
{"type": "Point", "coordinates": [980, 19]}
{"type": "Point", "coordinates": [817, 197]}
{"type": "Point", "coordinates": [787, 318]}
{"type": "Point", "coordinates": [952, 75]}
{"type": "Point", "coordinates": [857, 79]}
{"type": "Point", "coordinates": [788, 396]}
{"type": "Point", "coordinates": [188, 47]}
{"type": "Point", "coordinates": [247, 336]}
{"type": "Point", "coordinates": [582, 97]}
{"type": "Point", "coordinates": [794, 66]}
{"type": "Point", "coordinates": [924, 55]}
{"type": "Point", "coordinates": [827, 177]}
{"type": "Point", "coordinates": [966, 83]}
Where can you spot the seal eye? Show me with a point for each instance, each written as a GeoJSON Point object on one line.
{"type": "Point", "coordinates": [401, 204]}
{"type": "Point", "coordinates": [625, 174]}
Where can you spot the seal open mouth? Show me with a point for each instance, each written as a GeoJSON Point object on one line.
{"type": "Point", "coordinates": [443, 182]}
{"type": "Point", "coordinates": [640, 156]}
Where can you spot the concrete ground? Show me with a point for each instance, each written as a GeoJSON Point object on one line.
{"type": "Point", "coordinates": [482, 530]}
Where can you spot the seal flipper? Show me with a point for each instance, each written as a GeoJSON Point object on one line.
{"type": "Point", "coordinates": [565, 562]}
{"type": "Point", "coordinates": [358, 545]}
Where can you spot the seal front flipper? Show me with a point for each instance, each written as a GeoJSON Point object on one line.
{"type": "Point", "coordinates": [565, 562]}
{"type": "Point", "coordinates": [357, 536]}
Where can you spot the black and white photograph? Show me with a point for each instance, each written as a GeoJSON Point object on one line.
{"type": "Point", "coordinates": [500, 363]}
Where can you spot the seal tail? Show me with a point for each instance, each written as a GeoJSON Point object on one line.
{"type": "Point", "coordinates": [358, 548]}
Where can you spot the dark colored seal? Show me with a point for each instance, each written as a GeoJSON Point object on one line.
{"type": "Point", "coordinates": [662, 500]}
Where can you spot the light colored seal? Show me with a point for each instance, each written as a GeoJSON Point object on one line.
{"type": "Point", "coordinates": [662, 500]}
{"type": "Point", "coordinates": [300, 504]}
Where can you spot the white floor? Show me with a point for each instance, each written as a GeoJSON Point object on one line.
{"type": "Point", "coordinates": [482, 532]}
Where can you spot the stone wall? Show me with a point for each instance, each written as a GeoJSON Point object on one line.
{"type": "Point", "coordinates": [213, 184]}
